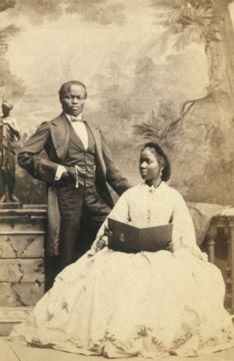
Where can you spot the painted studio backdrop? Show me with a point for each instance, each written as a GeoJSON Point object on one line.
{"type": "Point", "coordinates": [154, 69]}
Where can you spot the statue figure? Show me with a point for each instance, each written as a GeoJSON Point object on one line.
{"type": "Point", "coordinates": [9, 135]}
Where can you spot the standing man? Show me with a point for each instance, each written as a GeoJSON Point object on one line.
{"type": "Point", "coordinates": [73, 158]}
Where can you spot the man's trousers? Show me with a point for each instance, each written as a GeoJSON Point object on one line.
{"type": "Point", "coordinates": [82, 213]}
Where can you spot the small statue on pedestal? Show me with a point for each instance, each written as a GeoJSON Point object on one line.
{"type": "Point", "coordinates": [9, 135]}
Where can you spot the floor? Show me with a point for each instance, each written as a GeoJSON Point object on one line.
{"type": "Point", "coordinates": [17, 352]}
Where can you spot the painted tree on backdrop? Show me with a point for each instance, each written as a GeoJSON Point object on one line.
{"type": "Point", "coordinates": [13, 87]}
{"type": "Point", "coordinates": [205, 126]}
{"type": "Point", "coordinates": [203, 132]}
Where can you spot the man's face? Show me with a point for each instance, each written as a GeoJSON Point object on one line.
{"type": "Point", "coordinates": [73, 101]}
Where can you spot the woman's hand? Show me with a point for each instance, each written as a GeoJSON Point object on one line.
{"type": "Point", "coordinates": [101, 242]}
{"type": "Point", "coordinates": [98, 245]}
{"type": "Point", "coordinates": [104, 239]}
{"type": "Point", "coordinates": [108, 233]}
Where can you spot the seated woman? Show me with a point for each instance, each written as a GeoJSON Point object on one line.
{"type": "Point", "coordinates": [120, 304]}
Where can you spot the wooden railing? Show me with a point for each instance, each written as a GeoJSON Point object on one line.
{"type": "Point", "coordinates": [219, 245]}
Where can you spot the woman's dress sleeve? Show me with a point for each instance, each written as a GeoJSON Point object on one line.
{"type": "Point", "coordinates": [183, 235]}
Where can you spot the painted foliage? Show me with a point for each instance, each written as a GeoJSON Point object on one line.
{"type": "Point", "coordinates": [154, 70]}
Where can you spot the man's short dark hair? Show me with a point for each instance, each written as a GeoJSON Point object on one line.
{"type": "Point", "coordinates": [65, 87]}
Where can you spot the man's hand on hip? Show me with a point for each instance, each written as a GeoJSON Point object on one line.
{"type": "Point", "coordinates": [64, 172]}
{"type": "Point", "coordinates": [61, 172]}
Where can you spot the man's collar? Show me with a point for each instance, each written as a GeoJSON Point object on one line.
{"type": "Point", "coordinates": [72, 118]}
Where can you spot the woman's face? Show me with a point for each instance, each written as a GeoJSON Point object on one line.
{"type": "Point", "coordinates": [149, 166]}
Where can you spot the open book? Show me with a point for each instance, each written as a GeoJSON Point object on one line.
{"type": "Point", "coordinates": [128, 238]}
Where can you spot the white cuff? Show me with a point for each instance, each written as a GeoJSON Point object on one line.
{"type": "Point", "coordinates": [60, 170]}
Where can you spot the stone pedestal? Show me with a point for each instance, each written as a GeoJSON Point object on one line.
{"type": "Point", "coordinates": [22, 233]}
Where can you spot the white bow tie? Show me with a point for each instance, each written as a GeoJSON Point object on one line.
{"type": "Point", "coordinates": [76, 119]}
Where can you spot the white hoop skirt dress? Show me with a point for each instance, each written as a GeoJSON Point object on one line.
{"type": "Point", "coordinates": [145, 304]}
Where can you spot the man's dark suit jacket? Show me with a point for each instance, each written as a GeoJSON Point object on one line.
{"type": "Point", "coordinates": [47, 148]}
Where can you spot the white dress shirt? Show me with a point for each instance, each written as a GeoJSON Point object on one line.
{"type": "Point", "coordinates": [79, 128]}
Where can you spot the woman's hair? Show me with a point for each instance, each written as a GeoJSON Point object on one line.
{"type": "Point", "coordinates": [67, 86]}
{"type": "Point", "coordinates": [162, 159]}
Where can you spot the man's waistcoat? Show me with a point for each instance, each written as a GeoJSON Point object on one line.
{"type": "Point", "coordinates": [78, 155]}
